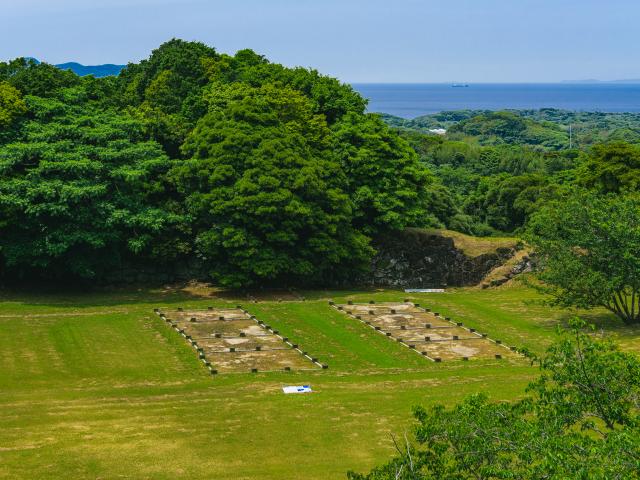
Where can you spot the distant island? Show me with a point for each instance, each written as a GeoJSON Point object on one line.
{"type": "Point", "coordinates": [98, 71]}
{"type": "Point", "coordinates": [593, 80]}
{"type": "Point", "coordinates": [105, 70]}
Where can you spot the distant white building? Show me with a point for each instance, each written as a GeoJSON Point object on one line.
{"type": "Point", "coordinates": [437, 131]}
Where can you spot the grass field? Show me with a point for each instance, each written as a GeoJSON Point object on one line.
{"type": "Point", "coordinates": [94, 385]}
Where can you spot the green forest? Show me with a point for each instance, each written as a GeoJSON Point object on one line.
{"type": "Point", "coordinates": [248, 173]}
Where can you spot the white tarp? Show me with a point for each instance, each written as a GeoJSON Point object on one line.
{"type": "Point", "coordinates": [424, 290]}
{"type": "Point", "coordinates": [297, 389]}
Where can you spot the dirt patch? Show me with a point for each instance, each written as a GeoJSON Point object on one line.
{"type": "Point", "coordinates": [231, 340]}
{"type": "Point", "coordinates": [429, 334]}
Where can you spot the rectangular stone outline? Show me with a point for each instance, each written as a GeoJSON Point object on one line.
{"type": "Point", "coordinates": [410, 344]}
{"type": "Point", "coordinates": [193, 342]}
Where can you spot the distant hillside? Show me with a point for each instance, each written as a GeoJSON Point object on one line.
{"type": "Point", "coordinates": [546, 128]}
{"type": "Point", "coordinates": [589, 81]}
{"type": "Point", "coordinates": [424, 123]}
{"type": "Point", "coordinates": [95, 70]}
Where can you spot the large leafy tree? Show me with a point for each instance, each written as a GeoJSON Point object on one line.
{"type": "Point", "coordinates": [328, 96]}
{"type": "Point", "coordinates": [580, 420]}
{"type": "Point", "coordinates": [505, 202]}
{"type": "Point", "coordinates": [165, 90]}
{"type": "Point", "coordinates": [611, 168]}
{"type": "Point", "coordinates": [387, 184]}
{"type": "Point", "coordinates": [589, 249]}
{"type": "Point", "coordinates": [174, 72]}
{"type": "Point", "coordinates": [12, 105]}
{"type": "Point", "coordinates": [80, 193]}
{"type": "Point", "coordinates": [267, 192]}
{"type": "Point", "coordinates": [40, 79]}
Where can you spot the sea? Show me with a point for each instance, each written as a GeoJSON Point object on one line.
{"type": "Point", "coordinates": [412, 100]}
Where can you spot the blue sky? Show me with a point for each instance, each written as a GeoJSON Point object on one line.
{"type": "Point", "coordinates": [355, 40]}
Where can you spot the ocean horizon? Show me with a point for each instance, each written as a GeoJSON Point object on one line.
{"type": "Point", "coordinates": [410, 100]}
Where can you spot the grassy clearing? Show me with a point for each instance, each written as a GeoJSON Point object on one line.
{"type": "Point", "coordinates": [475, 246]}
{"type": "Point", "coordinates": [96, 386]}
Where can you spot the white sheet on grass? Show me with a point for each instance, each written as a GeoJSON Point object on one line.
{"type": "Point", "coordinates": [297, 389]}
{"type": "Point", "coordinates": [424, 290]}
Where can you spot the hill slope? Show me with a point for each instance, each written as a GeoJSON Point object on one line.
{"type": "Point", "coordinates": [105, 70]}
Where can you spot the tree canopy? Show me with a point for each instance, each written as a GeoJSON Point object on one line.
{"type": "Point", "coordinates": [612, 168]}
{"type": "Point", "coordinates": [251, 172]}
{"type": "Point", "coordinates": [579, 420]}
{"type": "Point", "coordinates": [207, 159]}
{"type": "Point", "coordinates": [266, 193]}
{"type": "Point", "coordinates": [589, 249]}
{"type": "Point", "coordinates": [80, 191]}
{"type": "Point", "coordinates": [12, 106]}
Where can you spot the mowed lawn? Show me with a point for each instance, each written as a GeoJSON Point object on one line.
{"type": "Point", "coordinates": [94, 385]}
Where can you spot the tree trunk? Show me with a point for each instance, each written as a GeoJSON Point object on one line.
{"type": "Point", "coordinates": [626, 307]}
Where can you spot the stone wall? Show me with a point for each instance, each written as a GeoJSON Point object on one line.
{"type": "Point", "coordinates": [422, 259]}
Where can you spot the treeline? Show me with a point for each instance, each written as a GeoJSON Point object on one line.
{"type": "Point", "coordinates": [546, 128]}
{"type": "Point", "coordinates": [495, 169]}
{"type": "Point", "coordinates": [488, 189]}
{"type": "Point", "coordinates": [248, 171]}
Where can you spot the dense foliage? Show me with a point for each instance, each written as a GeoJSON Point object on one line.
{"type": "Point", "coordinates": [80, 189]}
{"type": "Point", "coordinates": [580, 420]}
{"type": "Point", "coordinates": [498, 168]}
{"type": "Point", "coordinates": [589, 249]}
{"type": "Point", "coordinates": [250, 172]}
{"type": "Point", "coordinates": [547, 128]}
{"type": "Point", "coordinates": [268, 197]}
{"type": "Point", "coordinates": [494, 188]}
